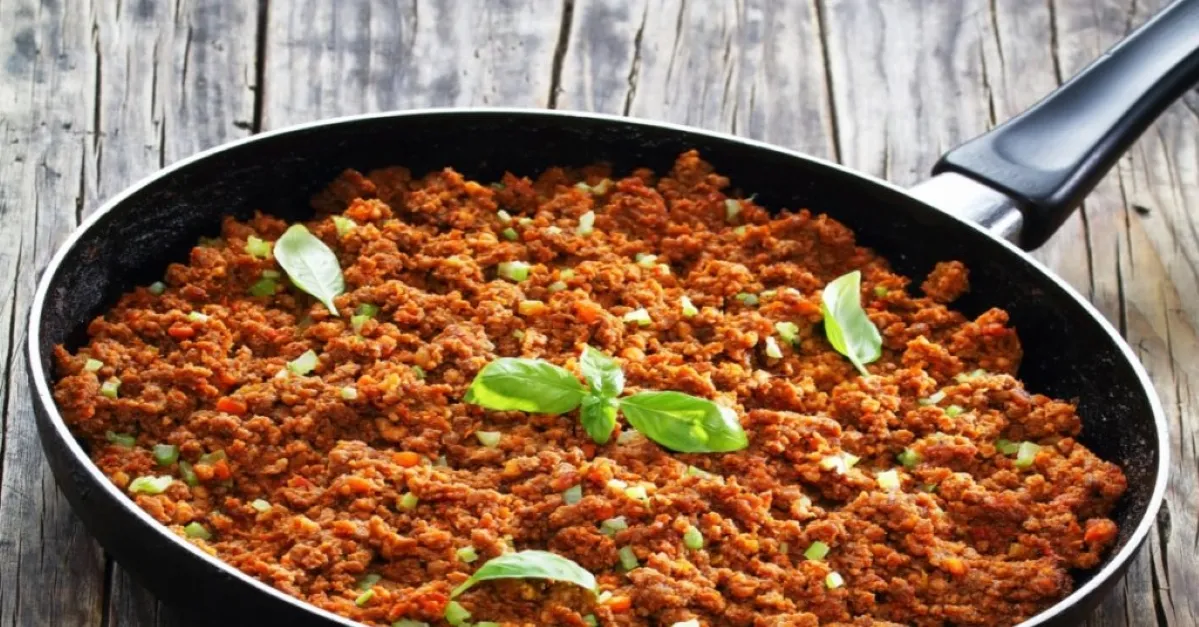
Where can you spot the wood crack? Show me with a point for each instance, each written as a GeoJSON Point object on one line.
{"type": "Point", "coordinates": [260, 34]}
{"type": "Point", "coordinates": [1054, 48]}
{"type": "Point", "coordinates": [830, 93]}
{"type": "Point", "coordinates": [635, 66]}
{"type": "Point", "coordinates": [568, 10]}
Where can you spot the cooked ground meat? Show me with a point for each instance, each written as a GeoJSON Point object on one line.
{"type": "Point", "coordinates": [303, 484]}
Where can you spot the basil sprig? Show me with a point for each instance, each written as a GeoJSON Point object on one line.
{"type": "Point", "coordinates": [310, 265]}
{"type": "Point", "coordinates": [846, 324]}
{"type": "Point", "coordinates": [689, 424]}
{"type": "Point", "coordinates": [530, 565]}
{"type": "Point", "coordinates": [677, 421]}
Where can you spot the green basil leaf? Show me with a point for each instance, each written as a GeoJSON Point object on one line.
{"type": "Point", "coordinates": [530, 565]}
{"type": "Point", "coordinates": [684, 423]}
{"type": "Point", "coordinates": [310, 265]}
{"type": "Point", "coordinates": [601, 372]}
{"type": "Point", "coordinates": [846, 324]}
{"type": "Point", "coordinates": [599, 417]}
{"type": "Point", "coordinates": [530, 385]}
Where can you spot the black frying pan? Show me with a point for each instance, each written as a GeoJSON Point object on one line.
{"type": "Point", "coordinates": [1017, 182]}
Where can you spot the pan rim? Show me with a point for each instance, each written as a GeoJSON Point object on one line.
{"type": "Point", "coordinates": [41, 388]}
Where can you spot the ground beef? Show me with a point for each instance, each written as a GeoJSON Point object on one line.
{"type": "Point", "coordinates": [303, 485]}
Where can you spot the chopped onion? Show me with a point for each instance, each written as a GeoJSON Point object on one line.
{"type": "Point", "coordinates": [555, 287]}
{"type": "Point", "coordinates": [196, 530]}
{"type": "Point", "coordinates": [639, 316]}
{"type": "Point", "coordinates": [304, 364]}
{"type": "Point", "coordinates": [612, 525]}
{"type": "Point", "coordinates": [689, 309]}
{"type": "Point", "coordinates": [263, 287]}
{"type": "Point", "coordinates": [772, 348]}
{"type": "Point", "coordinates": [151, 485]}
{"type": "Point", "coordinates": [467, 554]}
{"type": "Point", "coordinates": [586, 223]}
{"type": "Point", "coordinates": [693, 539]}
{"type": "Point", "coordinates": [515, 271]}
{"type": "Point", "coordinates": [110, 388]}
{"type": "Point", "coordinates": [909, 458]}
{"type": "Point", "coordinates": [572, 495]}
{"type": "Point", "coordinates": [953, 411]}
{"type": "Point", "coordinates": [490, 439]}
{"type": "Point", "coordinates": [343, 225]}
{"type": "Point", "coordinates": [628, 559]}
{"type": "Point", "coordinates": [1007, 447]}
{"type": "Point", "coordinates": [349, 393]}
{"type": "Point", "coordinates": [617, 484]}
{"type": "Point", "coordinates": [816, 551]}
{"type": "Point", "coordinates": [637, 493]}
{"type": "Point", "coordinates": [196, 316]}
{"type": "Point", "coordinates": [92, 365]}
{"type": "Point", "coordinates": [260, 505]}
{"type": "Point", "coordinates": [731, 209]}
{"type": "Point", "coordinates": [699, 472]}
{"type": "Point", "coordinates": [408, 501]}
{"type": "Point", "coordinates": [121, 439]}
{"type": "Point", "coordinates": [157, 288]}
{"type": "Point", "coordinates": [788, 331]}
{"type": "Point", "coordinates": [509, 234]}
{"type": "Point", "coordinates": [504, 217]}
{"type": "Point", "coordinates": [259, 248]}
{"type": "Point", "coordinates": [888, 480]}
{"type": "Point", "coordinates": [1026, 454]}
{"type": "Point", "coordinates": [165, 454]}
{"type": "Point", "coordinates": [834, 580]}
{"type": "Point", "coordinates": [937, 397]}
{"type": "Point", "coordinates": [747, 299]}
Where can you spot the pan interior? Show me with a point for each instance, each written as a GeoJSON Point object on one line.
{"type": "Point", "coordinates": [1068, 354]}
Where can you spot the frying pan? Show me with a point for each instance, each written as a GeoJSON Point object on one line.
{"type": "Point", "coordinates": [1007, 189]}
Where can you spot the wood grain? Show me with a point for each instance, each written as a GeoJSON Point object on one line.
{"type": "Point", "coordinates": [46, 90]}
{"type": "Point", "coordinates": [95, 94]}
{"type": "Point", "coordinates": [326, 59]}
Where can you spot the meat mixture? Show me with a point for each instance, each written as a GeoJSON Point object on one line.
{"type": "Point", "coordinates": [362, 486]}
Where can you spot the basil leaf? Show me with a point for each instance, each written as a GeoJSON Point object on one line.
{"type": "Point", "coordinates": [601, 372]}
{"type": "Point", "coordinates": [684, 423]}
{"type": "Point", "coordinates": [598, 416]}
{"type": "Point", "coordinates": [310, 265]}
{"type": "Point", "coordinates": [530, 565]}
{"type": "Point", "coordinates": [530, 385]}
{"type": "Point", "coordinates": [846, 324]}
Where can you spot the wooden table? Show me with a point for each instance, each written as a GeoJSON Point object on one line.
{"type": "Point", "coordinates": [95, 94]}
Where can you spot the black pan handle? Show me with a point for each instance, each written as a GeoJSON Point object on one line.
{"type": "Point", "coordinates": [1051, 156]}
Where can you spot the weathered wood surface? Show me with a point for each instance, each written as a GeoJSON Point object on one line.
{"type": "Point", "coordinates": [95, 94]}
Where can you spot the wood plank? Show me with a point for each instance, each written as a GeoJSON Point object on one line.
{"type": "Point", "coordinates": [176, 78]}
{"type": "Point", "coordinates": [1144, 281]}
{"type": "Point", "coordinates": [93, 99]}
{"type": "Point", "coordinates": [326, 59]}
{"type": "Point", "coordinates": [46, 85]}
{"type": "Point", "coordinates": [753, 68]}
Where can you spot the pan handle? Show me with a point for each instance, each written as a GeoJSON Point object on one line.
{"type": "Point", "coordinates": [1048, 158]}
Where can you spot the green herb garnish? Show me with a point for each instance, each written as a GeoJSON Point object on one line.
{"type": "Point", "coordinates": [677, 421]}
{"type": "Point", "coordinates": [846, 324]}
{"type": "Point", "coordinates": [310, 265]}
{"type": "Point", "coordinates": [530, 565]}
{"type": "Point", "coordinates": [684, 423]}
{"type": "Point", "coordinates": [529, 385]}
